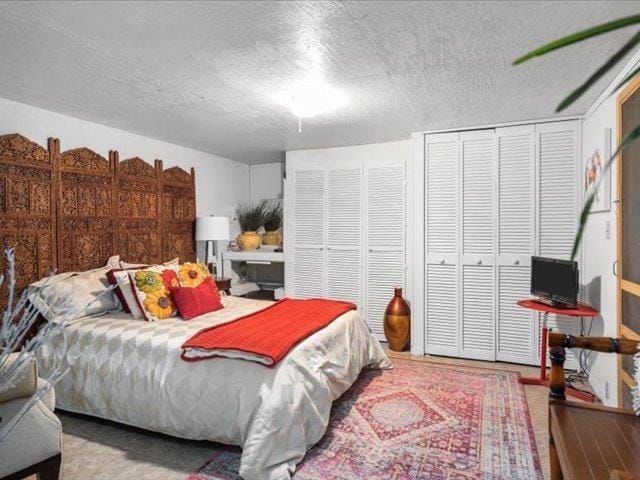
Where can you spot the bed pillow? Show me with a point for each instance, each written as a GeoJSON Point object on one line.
{"type": "Point", "coordinates": [119, 278]}
{"type": "Point", "coordinates": [74, 294]}
{"type": "Point", "coordinates": [128, 266]}
{"type": "Point", "coordinates": [151, 288]}
{"type": "Point", "coordinates": [194, 301]}
{"type": "Point", "coordinates": [192, 274]}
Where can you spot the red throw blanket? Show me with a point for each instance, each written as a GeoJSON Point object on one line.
{"type": "Point", "coordinates": [265, 336]}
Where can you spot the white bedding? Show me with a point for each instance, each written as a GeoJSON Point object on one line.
{"type": "Point", "coordinates": [130, 371]}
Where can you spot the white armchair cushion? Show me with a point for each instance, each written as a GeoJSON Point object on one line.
{"type": "Point", "coordinates": [26, 385]}
{"type": "Point", "coordinates": [36, 437]}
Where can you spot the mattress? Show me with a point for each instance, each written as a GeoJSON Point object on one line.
{"type": "Point", "coordinates": [130, 371]}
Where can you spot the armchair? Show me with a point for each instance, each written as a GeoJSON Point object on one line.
{"type": "Point", "coordinates": [34, 445]}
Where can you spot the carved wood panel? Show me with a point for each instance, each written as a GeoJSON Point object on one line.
{"type": "Point", "coordinates": [27, 209]}
{"type": "Point", "coordinates": [178, 214]}
{"type": "Point", "coordinates": [86, 223]}
{"type": "Point", "coordinates": [138, 210]}
{"type": "Point", "coordinates": [71, 211]}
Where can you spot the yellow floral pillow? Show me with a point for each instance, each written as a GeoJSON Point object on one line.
{"type": "Point", "coordinates": [192, 274]}
{"type": "Point", "coordinates": [151, 288]}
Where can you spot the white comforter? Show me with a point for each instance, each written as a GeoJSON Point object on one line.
{"type": "Point", "coordinates": [130, 371]}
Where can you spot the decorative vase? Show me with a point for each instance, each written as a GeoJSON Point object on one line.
{"type": "Point", "coordinates": [272, 238]}
{"type": "Point", "coordinates": [249, 241]}
{"type": "Point", "coordinates": [397, 322]}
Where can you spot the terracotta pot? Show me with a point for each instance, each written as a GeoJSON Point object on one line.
{"type": "Point", "coordinates": [397, 322]}
{"type": "Point", "coordinates": [271, 238]}
{"type": "Point", "coordinates": [249, 241]}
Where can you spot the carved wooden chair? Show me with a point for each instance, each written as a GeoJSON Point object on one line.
{"type": "Point", "coordinates": [588, 441]}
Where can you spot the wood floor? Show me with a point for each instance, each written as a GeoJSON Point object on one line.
{"type": "Point", "coordinates": [155, 456]}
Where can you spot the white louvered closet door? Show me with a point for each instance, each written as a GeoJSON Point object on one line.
{"type": "Point", "coordinates": [558, 203]}
{"type": "Point", "coordinates": [385, 238]}
{"type": "Point", "coordinates": [477, 316]}
{"type": "Point", "coordinates": [308, 228]}
{"type": "Point", "coordinates": [515, 181]}
{"type": "Point", "coordinates": [344, 234]}
{"type": "Point", "coordinates": [441, 239]}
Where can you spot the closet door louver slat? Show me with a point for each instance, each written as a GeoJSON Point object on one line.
{"type": "Point", "coordinates": [440, 201]}
{"type": "Point", "coordinates": [441, 313]}
{"type": "Point", "coordinates": [385, 257]}
{"type": "Point", "coordinates": [308, 216]}
{"type": "Point", "coordinates": [477, 317]}
{"type": "Point", "coordinates": [385, 272]}
{"type": "Point", "coordinates": [515, 342]}
{"type": "Point", "coordinates": [515, 328]}
{"type": "Point", "coordinates": [308, 272]}
{"type": "Point", "coordinates": [557, 195]}
{"type": "Point", "coordinates": [441, 329]}
{"type": "Point", "coordinates": [344, 226]}
{"type": "Point", "coordinates": [558, 215]}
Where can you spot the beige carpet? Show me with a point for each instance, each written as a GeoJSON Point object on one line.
{"type": "Point", "coordinates": [96, 449]}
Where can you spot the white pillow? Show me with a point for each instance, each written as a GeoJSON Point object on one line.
{"type": "Point", "coordinates": [125, 265]}
{"type": "Point", "coordinates": [75, 294]}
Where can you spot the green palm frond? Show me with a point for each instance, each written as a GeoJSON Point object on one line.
{"type": "Point", "coordinates": [579, 37]}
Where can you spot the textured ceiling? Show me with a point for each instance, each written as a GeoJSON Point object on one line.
{"type": "Point", "coordinates": [207, 75]}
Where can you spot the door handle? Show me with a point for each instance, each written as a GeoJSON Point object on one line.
{"type": "Point", "coordinates": [615, 270]}
{"type": "Point", "coordinates": [442, 262]}
{"type": "Point", "coordinates": [516, 262]}
{"type": "Point", "coordinates": [479, 262]}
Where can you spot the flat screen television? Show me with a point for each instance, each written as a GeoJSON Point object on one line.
{"type": "Point", "coordinates": [555, 281]}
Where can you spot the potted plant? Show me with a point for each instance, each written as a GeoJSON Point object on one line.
{"type": "Point", "coordinates": [272, 224]}
{"type": "Point", "coordinates": [250, 218]}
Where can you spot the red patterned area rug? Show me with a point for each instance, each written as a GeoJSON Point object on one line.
{"type": "Point", "coordinates": [421, 420]}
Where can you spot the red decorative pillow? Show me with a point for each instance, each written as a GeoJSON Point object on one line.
{"type": "Point", "coordinates": [194, 301]}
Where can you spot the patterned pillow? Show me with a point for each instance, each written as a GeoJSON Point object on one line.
{"type": "Point", "coordinates": [122, 288]}
{"type": "Point", "coordinates": [74, 294]}
{"type": "Point", "coordinates": [192, 274]}
{"type": "Point", "coordinates": [151, 288]}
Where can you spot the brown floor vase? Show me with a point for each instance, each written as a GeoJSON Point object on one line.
{"type": "Point", "coordinates": [397, 322]}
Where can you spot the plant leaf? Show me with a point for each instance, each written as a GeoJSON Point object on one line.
{"type": "Point", "coordinates": [578, 37]}
{"type": "Point", "coordinates": [608, 65]}
{"type": "Point", "coordinates": [625, 80]}
{"type": "Point", "coordinates": [584, 214]}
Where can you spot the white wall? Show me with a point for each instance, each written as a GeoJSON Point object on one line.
{"type": "Point", "coordinates": [266, 181]}
{"type": "Point", "coordinates": [221, 183]}
{"type": "Point", "coordinates": [599, 252]}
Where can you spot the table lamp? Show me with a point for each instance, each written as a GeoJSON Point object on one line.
{"type": "Point", "coordinates": [212, 229]}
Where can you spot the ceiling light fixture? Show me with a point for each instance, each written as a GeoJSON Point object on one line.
{"type": "Point", "coordinates": [314, 101]}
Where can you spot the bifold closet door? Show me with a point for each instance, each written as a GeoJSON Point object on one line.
{"type": "Point", "coordinates": [516, 328]}
{"type": "Point", "coordinates": [441, 302]}
{"type": "Point", "coordinates": [477, 221]}
{"type": "Point", "coordinates": [557, 145]}
{"type": "Point", "coordinates": [308, 267]}
{"type": "Point", "coordinates": [385, 238]}
{"type": "Point", "coordinates": [344, 234]}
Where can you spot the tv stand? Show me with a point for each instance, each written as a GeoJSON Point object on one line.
{"type": "Point", "coordinates": [554, 304]}
{"type": "Point", "coordinates": [581, 310]}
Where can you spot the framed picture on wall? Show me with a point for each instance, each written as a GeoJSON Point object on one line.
{"type": "Point", "coordinates": [596, 178]}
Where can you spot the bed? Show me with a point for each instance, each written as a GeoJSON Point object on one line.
{"type": "Point", "coordinates": [130, 372]}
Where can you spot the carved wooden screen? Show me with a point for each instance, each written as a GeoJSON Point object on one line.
{"type": "Point", "coordinates": [86, 210]}
{"type": "Point", "coordinates": [27, 208]}
{"type": "Point", "coordinates": [138, 221]}
{"type": "Point", "coordinates": [178, 213]}
{"type": "Point", "coordinates": [73, 210]}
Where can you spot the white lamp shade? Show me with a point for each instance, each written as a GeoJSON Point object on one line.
{"type": "Point", "coordinates": [212, 228]}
